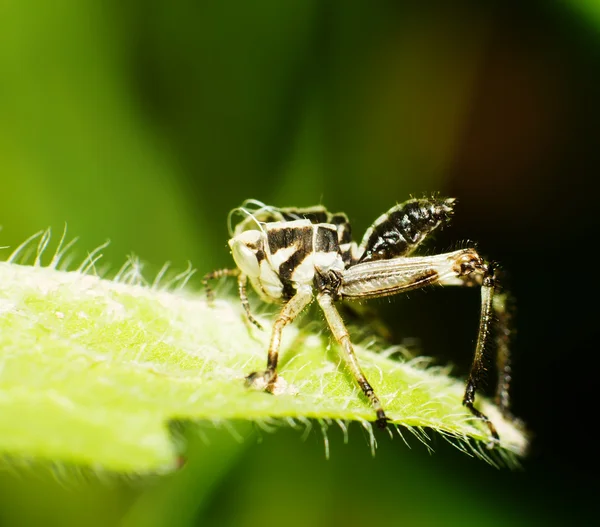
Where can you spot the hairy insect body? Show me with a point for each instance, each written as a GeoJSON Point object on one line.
{"type": "Point", "coordinates": [401, 230]}
{"type": "Point", "coordinates": [291, 256]}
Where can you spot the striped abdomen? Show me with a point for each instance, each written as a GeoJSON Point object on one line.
{"type": "Point", "coordinates": [399, 231]}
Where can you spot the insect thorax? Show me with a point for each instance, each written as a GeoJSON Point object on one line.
{"type": "Point", "coordinates": [284, 256]}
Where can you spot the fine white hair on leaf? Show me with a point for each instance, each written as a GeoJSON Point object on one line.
{"type": "Point", "coordinates": [422, 436]}
{"type": "Point", "coordinates": [42, 244]}
{"type": "Point", "coordinates": [343, 424]}
{"type": "Point", "coordinates": [228, 425]}
{"type": "Point", "coordinates": [91, 259]}
{"type": "Point", "coordinates": [399, 431]}
{"type": "Point", "coordinates": [370, 434]}
{"type": "Point", "coordinates": [307, 427]}
{"type": "Point", "coordinates": [266, 424]}
{"type": "Point", "coordinates": [131, 272]}
{"type": "Point", "coordinates": [396, 350]}
{"type": "Point", "coordinates": [157, 282]}
{"type": "Point", "coordinates": [466, 445]}
{"type": "Point", "coordinates": [324, 425]}
{"type": "Point", "coordinates": [60, 250]}
{"type": "Point", "coordinates": [180, 280]}
{"type": "Point", "coordinates": [291, 422]}
{"type": "Point", "coordinates": [136, 273]}
{"type": "Point", "coordinates": [21, 248]}
{"type": "Point", "coordinates": [122, 271]}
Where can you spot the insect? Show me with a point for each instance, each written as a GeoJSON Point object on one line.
{"type": "Point", "coordinates": [292, 255]}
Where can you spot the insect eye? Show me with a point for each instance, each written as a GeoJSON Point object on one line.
{"type": "Point", "coordinates": [244, 251]}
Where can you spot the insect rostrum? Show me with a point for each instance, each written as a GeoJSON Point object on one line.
{"type": "Point", "coordinates": [292, 255]}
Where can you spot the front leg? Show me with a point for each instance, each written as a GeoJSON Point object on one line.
{"type": "Point", "coordinates": [242, 279]}
{"type": "Point", "coordinates": [215, 275]}
{"type": "Point", "coordinates": [266, 379]}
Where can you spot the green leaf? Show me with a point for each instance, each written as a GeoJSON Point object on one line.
{"type": "Point", "coordinates": [93, 371]}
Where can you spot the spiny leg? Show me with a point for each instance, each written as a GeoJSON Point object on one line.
{"type": "Point", "coordinates": [215, 275]}
{"type": "Point", "coordinates": [502, 306]}
{"type": "Point", "coordinates": [242, 279]}
{"type": "Point", "coordinates": [473, 270]}
{"type": "Point", "coordinates": [288, 313]}
{"type": "Point", "coordinates": [478, 366]}
{"type": "Point", "coordinates": [340, 333]}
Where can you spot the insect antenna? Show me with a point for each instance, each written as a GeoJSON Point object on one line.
{"type": "Point", "coordinates": [244, 209]}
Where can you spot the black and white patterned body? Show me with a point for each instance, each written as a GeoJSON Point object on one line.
{"type": "Point", "coordinates": [292, 256]}
{"type": "Point", "coordinates": [284, 250]}
{"type": "Point", "coordinates": [285, 257]}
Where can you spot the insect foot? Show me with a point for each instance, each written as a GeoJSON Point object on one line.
{"type": "Point", "coordinates": [265, 381]}
{"type": "Point", "coordinates": [468, 400]}
{"type": "Point", "coordinates": [382, 420]}
{"type": "Point", "coordinates": [262, 380]}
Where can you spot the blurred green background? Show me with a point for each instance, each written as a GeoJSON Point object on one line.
{"type": "Point", "coordinates": [146, 122]}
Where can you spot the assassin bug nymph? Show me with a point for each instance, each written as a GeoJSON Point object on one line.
{"type": "Point", "coordinates": [291, 255]}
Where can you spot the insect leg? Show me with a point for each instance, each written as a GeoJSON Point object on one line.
{"type": "Point", "coordinates": [219, 273]}
{"type": "Point", "coordinates": [288, 313]}
{"type": "Point", "coordinates": [501, 304]}
{"type": "Point", "coordinates": [341, 335]}
{"type": "Point", "coordinates": [242, 279]}
{"type": "Point", "coordinates": [472, 270]}
{"type": "Point", "coordinates": [465, 268]}
{"type": "Point", "coordinates": [478, 366]}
